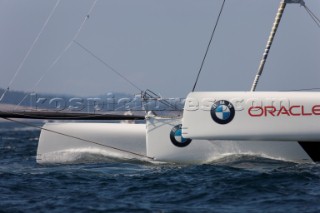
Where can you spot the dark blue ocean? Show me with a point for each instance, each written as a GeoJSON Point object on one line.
{"type": "Point", "coordinates": [233, 184]}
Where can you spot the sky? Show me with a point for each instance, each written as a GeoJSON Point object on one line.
{"type": "Point", "coordinates": [158, 45]}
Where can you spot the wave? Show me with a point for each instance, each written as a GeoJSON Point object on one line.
{"type": "Point", "coordinates": [91, 155]}
{"type": "Point", "coordinates": [95, 155]}
{"type": "Point", "coordinates": [236, 156]}
{"type": "Point", "coordinates": [19, 129]}
{"type": "Point", "coordinates": [250, 161]}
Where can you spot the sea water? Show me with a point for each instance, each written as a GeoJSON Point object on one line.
{"type": "Point", "coordinates": [99, 183]}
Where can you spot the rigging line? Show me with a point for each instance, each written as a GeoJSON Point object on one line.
{"type": "Point", "coordinates": [107, 65]}
{"type": "Point", "coordinates": [30, 49]}
{"type": "Point", "coordinates": [305, 6]}
{"type": "Point", "coordinates": [61, 53]}
{"type": "Point", "coordinates": [140, 107]}
{"type": "Point", "coordinates": [306, 89]}
{"type": "Point", "coordinates": [313, 16]}
{"type": "Point", "coordinates": [115, 71]}
{"type": "Point", "coordinates": [150, 95]}
{"type": "Point", "coordinates": [78, 138]}
{"type": "Point", "coordinates": [211, 38]}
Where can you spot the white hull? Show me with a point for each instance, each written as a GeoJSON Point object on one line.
{"type": "Point", "coordinates": [152, 140]}
{"type": "Point", "coordinates": [58, 148]}
{"type": "Point", "coordinates": [273, 116]}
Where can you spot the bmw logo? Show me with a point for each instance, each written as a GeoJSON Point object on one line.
{"type": "Point", "coordinates": [176, 137]}
{"type": "Point", "coordinates": [222, 112]}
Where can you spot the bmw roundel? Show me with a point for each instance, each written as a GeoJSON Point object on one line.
{"type": "Point", "coordinates": [176, 137]}
{"type": "Point", "coordinates": [222, 112]}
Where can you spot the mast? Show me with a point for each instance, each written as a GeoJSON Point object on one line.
{"type": "Point", "coordinates": [274, 29]}
{"type": "Point", "coordinates": [273, 32]}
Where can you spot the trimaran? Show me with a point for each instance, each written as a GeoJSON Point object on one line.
{"type": "Point", "coordinates": [282, 125]}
